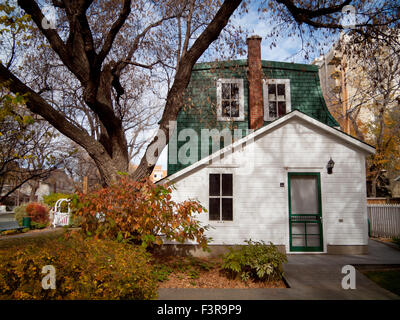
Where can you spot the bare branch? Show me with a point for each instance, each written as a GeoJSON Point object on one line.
{"type": "Point", "coordinates": [117, 25]}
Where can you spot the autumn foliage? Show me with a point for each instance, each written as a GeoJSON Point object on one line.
{"type": "Point", "coordinates": [85, 269]}
{"type": "Point", "coordinates": [141, 212]}
{"type": "Point", "coordinates": [38, 212]}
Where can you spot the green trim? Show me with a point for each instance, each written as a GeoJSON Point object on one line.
{"type": "Point", "coordinates": [289, 66]}
{"type": "Point", "coordinates": [219, 64]}
{"type": "Point", "coordinates": [264, 63]}
{"type": "Point", "coordinates": [318, 221]}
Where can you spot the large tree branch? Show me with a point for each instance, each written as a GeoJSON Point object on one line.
{"type": "Point", "coordinates": [120, 65]}
{"type": "Point", "coordinates": [301, 14]}
{"type": "Point", "coordinates": [115, 28]}
{"type": "Point", "coordinates": [188, 28]}
{"type": "Point", "coordinates": [174, 99]}
{"type": "Point", "coordinates": [39, 106]}
{"type": "Point", "coordinates": [52, 36]}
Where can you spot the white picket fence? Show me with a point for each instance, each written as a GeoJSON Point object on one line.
{"type": "Point", "coordinates": [384, 220]}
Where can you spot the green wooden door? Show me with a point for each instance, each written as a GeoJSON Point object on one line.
{"type": "Point", "coordinates": [305, 214]}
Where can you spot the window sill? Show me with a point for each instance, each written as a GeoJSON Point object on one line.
{"type": "Point", "coordinates": [220, 222]}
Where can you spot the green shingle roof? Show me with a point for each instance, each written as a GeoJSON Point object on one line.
{"type": "Point", "coordinates": [200, 98]}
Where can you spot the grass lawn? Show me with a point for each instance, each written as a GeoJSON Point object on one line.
{"type": "Point", "coordinates": [388, 279]}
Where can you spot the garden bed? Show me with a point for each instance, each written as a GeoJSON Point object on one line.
{"type": "Point", "coordinates": [190, 272]}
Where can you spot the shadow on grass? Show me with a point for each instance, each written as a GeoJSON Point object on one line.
{"type": "Point", "coordinates": [386, 276]}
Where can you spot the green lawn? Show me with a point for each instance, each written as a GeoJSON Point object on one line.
{"type": "Point", "coordinates": [388, 279]}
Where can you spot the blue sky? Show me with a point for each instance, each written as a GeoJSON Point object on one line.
{"type": "Point", "coordinates": [286, 47]}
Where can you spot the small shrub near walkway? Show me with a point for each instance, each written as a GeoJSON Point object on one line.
{"type": "Point", "coordinates": [256, 260]}
{"type": "Point", "coordinates": [255, 265]}
{"type": "Point", "coordinates": [85, 269]}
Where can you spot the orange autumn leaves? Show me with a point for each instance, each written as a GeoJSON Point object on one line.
{"type": "Point", "coordinates": [141, 212]}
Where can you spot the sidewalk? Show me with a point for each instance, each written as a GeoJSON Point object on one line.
{"type": "Point", "coordinates": [33, 234]}
{"type": "Point", "coordinates": [310, 277]}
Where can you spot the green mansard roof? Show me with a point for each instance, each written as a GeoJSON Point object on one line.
{"type": "Point", "coordinates": [201, 97]}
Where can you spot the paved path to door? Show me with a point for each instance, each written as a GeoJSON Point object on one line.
{"type": "Point", "coordinates": [311, 277]}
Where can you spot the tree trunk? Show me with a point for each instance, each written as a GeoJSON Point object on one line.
{"type": "Point", "coordinates": [34, 184]}
{"type": "Point", "coordinates": [373, 186]}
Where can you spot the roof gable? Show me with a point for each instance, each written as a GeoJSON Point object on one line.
{"type": "Point", "coordinates": [345, 138]}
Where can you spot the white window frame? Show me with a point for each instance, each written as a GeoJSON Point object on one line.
{"type": "Point", "coordinates": [219, 100]}
{"type": "Point", "coordinates": [220, 173]}
{"type": "Point", "coordinates": [266, 82]}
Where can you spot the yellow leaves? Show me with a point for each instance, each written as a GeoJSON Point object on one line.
{"type": "Point", "coordinates": [87, 269]}
{"type": "Point", "coordinates": [158, 241]}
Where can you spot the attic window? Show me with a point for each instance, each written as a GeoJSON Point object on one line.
{"type": "Point", "coordinates": [276, 98]}
{"type": "Point", "coordinates": [230, 100]}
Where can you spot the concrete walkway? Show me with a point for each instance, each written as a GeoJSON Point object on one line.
{"type": "Point", "coordinates": [33, 234]}
{"type": "Point", "coordinates": [310, 277]}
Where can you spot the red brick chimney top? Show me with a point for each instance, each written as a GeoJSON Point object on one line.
{"type": "Point", "coordinates": [256, 112]}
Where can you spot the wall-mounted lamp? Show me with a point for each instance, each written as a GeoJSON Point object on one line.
{"type": "Point", "coordinates": [330, 166]}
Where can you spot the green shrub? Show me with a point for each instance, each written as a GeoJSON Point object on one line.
{"type": "Point", "coordinates": [19, 213]}
{"type": "Point", "coordinates": [85, 269]}
{"type": "Point", "coordinates": [52, 198]}
{"type": "Point", "coordinates": [38, 225]}
{"type": "Point", "coordinates": [255, 260]}
{"type": "Point", "coordinates": [161, 272]}
{"type": "Point", "coordinates": [9, 232]}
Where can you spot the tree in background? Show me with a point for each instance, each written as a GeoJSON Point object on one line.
{"type": "Point", "coordinates": [371, 69]}
{"type": "Point", "coordinates": [30, 148]}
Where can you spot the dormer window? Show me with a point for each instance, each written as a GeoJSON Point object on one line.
{"type": "Point", "coordinates": [276, 98]}
{"type": "Point", "coordinates": [230, 100]}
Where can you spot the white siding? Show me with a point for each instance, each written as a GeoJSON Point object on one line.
{"type": "Point", "coordinates": [261, 205]}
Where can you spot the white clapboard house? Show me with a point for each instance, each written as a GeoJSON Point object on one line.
{"type": "Point", "coordinates": [294, 178]}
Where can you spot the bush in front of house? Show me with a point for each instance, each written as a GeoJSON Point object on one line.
{"type": "Point", "coordinates": [19, 213]}
{"type": "Point", "coordinates": [38, 212]}
{"type": "Point", "coordinates": [85, 269]}
{"type": "Point", "coordinates": [140, 212]}
{"type": "Point", "coordinates": [256, 260]}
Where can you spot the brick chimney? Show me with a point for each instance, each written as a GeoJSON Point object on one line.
{"type": "Point", "coordinates": [256, 117]}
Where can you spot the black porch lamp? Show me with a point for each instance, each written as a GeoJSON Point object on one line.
{"type": "Point", "coordinates": [330, 166]}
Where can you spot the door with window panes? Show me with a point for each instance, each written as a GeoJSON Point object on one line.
{"type": "Point", "coordinates": [305, 212]}
{"type": "Point", "coordinates": [220, 197]}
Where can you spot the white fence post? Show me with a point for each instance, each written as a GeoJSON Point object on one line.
{"type": "Point", "coordinates": [384, 220]}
